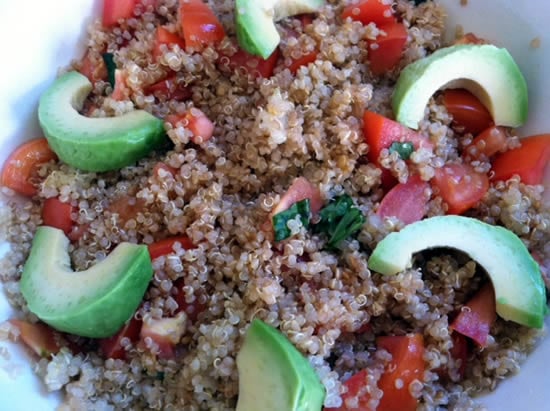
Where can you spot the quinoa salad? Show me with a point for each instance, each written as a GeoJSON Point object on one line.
{"type": "Point", "coordinates": [238, 204]}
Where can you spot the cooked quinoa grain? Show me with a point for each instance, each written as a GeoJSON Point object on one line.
{"type": "Point", "coordinates": [220, 192]}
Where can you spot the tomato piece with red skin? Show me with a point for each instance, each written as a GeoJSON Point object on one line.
{"type": "Point", "coordinates": [199, 25]}
{"type": "Point", "coordinates": [488, 143]}
{"type": "Point", "coordinates": [469, 114]}
{"type": "Point", "coordinates": [39, 337]}
{"type": "Point", "coordinates": [112, 347]}
{"type": "Point", "coordinates": [165, 333]}
{"type": "Point", "coordinates": [195, 121]}
{"type": "Point", "coordinates": [529, 162]}
{"type": "Point", "coordinates": [460, 186]}
{"type": "Point", "coordinates": [121, 91]}
{"type": "Point", "coordinates": [247, 64]}
{"type": "Point", "coordinates": [20, 167]}
{"type": "Point", "coordinates": [477, 316]}
{"type": "Point", "coordinates": [57, 214]}
{"type": "Point", "coordinates": [116, 10]}
{"type": "Point", "coordinates": [406, 201]}
{"type": "Point", "coordinates": [385, 52]}
{"type": "Point", "coordinates": [167, 38]}
{"type": "Point", "coordinates": [407, 364]}
{"type": "Point", "coordinates": [303, 60]}
{"type": "Point", "coordinates": [93, 67]}
{"type": "Point", "coordinates": [166, 246]}
{"type": "Point", "coordinates": [169, 89]}
{"type": "Point", "coordinates": [355, 387]}
{"type": "Point", "coordinates": [370, 11]}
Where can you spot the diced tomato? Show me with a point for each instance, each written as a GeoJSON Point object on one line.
{"type": "Point", "coordinates": [304, 60]}
{"type": "Point", "coordinates": [380, 132]}
{"type": "Point", "coordinates": [40, 338]}
{"type": "Point", "coordinates": [164, 167]}
{"type": "Point", "coordinates": [115, 10]}
{"type": "Point", "coordinates": [169, 89]}
{"type": "Point", "coordinates": [93, 67]}
{"type": "Point", "coordinates": [299, 190]}
{"type": "Point", "coordinates": [57, 214]}
{"type": "Point", "coordinates": [370, 11]}
{"type": "Point", "coordinates": [20, 167]}
{"type": "Point", "coordinates": [121, 91]}
{"type": "Point", "coordinates": [489, 142]}
{"type": "Point", "coordinates": [195, 121]}
{"type": "Point", "coordinates": [407, 364]}
{"type": "Point", "coordinates": [248, 64]}
{"type": "Point", "coordinates": [127, 207]}
{"type": "Point", "coordinates": [385, 52]}
{"type": "Point", "coordinates": [166, 246]}
{"type": "Point", "coordinates": [112, 347]}
{"type": "Point", "coordinates": [192, 309]}
{"type": "Point", "coordinates": [166, 333]}
{"type": "Point", "coordinates": [199, 24]}
{"type": "Point", "coordinates": [528, 161]}
{"type": "Point", "coordinates": [477, 316]}
{"type": "Point", "coordinates": [460, 186]}
{"type": "Point", "coordinates": [470, 38]}
{"type": "Point", "coordinates": [165, 37]}
{"type": "Point", "coordinates": [469, 114]}
{"type": "Point", "coordinates": [354, 388]}
{"type": "Point", "coordinates": [305, 19]}
{"type": "Point", "coordinates": [406, 201]}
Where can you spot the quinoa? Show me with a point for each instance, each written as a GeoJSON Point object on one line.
{"type": "Point", "coordinates": [219, 193]}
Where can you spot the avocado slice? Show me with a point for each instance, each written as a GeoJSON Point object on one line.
{"type": "Point", "coordinates": [94, 144]}
{"type": "Point", "coordinates": [93, 303]}
{"type": "Point", "coordinates": [274, 375]}
{"type": "Point", "coordinates": [255, 22]}
{"type": "Point", "coordinates": [519, 289]}
{"type": "Point", "coordinates": [488, 72]}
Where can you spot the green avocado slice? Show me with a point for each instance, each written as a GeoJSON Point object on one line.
{"type": "Point", "coordinates": [274, 375]}
{"type": "Point", "coordinates": [94, 144]}
{"type": "Point", "coordinates": [488, 72]}
{"type": "Point", "coordinates": [519, 289]}
{"type": "Point", "coordinates": [92, 303]}
{"type": "Point", "coordinates": [255, 22]}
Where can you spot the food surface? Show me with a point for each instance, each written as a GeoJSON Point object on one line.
{"type": "Point", "coordinates": [262, 200]}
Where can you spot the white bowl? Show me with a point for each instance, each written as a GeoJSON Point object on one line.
{"type": "Point", "coordinates": [38, 37]}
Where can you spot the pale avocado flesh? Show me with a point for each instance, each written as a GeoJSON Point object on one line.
{"type": "Point", "coordinates": [274, 375]}
{"type": "Point", "coordinates": [94, 144]}
{"type": "Point", "coordinates": [255, 22]}
{"type": "Point", "coordinates": [93, 303]}
{"type": "Point", "coordinates": [519, 289]}
{"type": "Point", "coordinates": [489, 72]}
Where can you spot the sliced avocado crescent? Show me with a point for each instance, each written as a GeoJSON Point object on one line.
{"type": "Point", "coordinates": [274, 375]}
{"type": "Point", "coordinates": [93, 303]}
{"type": "Point", "coordinates": [519, 289]}
{"type": "Point", "coordinates": [94, 144]}
{"type": "Point", "coordinates": [488, 72]}
{"type": "Point", "coordinates": [255, 22]}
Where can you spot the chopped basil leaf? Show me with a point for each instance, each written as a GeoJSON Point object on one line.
{"type": "Point", "coordinates": [339, 220]}
{"type": "Point", "coordinates": [280, 220]}
{"type": "Point", "coordinates": [404, 149]}
{"type": "Point", "coordinates": [109, 60]}
{"type": "Point", "coordinates": [417, 2]}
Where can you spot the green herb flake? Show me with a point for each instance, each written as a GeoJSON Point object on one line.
{"type": "Point", "coordinates": [404, 149]}
{"type": "Point", "coordinates": [417, 2]}
{"type": "Point", "coordinates": [109, 60]}
{"type": "Point", "coordinates": [280, 220]}
{"type": "Point", "coordinates": [339, 220]}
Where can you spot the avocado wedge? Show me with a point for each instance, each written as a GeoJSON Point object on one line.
{"type": "Point", "coordinates": [93, 303]}
{"type": "Point", "coordinates": [94, 144]}
{"type": "Point", "coordinates": [516, 277]}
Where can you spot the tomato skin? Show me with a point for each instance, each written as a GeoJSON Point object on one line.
{"type": "Point", "coordinates": [115, 10]}
{"type": "Point", "coordinates": [40, 338]}
{"type": "Point", "coordinates": [370, 11]}
{"type": "Point", "coordinates": [199, 25]}
{"type": "Point", "coordinates": [406, 201]}
{"type": "Point", "coordinates": [195, 121]}
{"type": "Point", "coordinates": [112, 347]}
{"type": "Point", "coordinates": [460, 186]}
{"type": "Point", "coordinates": [93, 67]}
{"type": "Point", "coordinates": [385, 52]}
{"type": "Point", "coordinates": [467, 111]}
{"type": "Point", "coordinates": [248, 64]}
{"type": "Point", "coordinates": [166, 246]}
{"type": "Point", "coordinates": [407, 364]}
{"type": "Point", "coordinates": [57, 214]}
{"type": "Point", "coordinates": [489, 142]}
{"type": "Point", "coordinates": [528, 161]}
{"type": "Point", "coordinates": [476, 320]}
{"type": "Point", "coordinates": [354, 385]}
{"type": "Point", "coordinates": [169, 89]}
{"type": "Point", "coordinates": [121, 91]}
{"type": "Point", "coordinates": [304, 60]}
{"type": "Point", "coordinates": [22, 163]}
{"type": "Point", "coordinates": [165, 37]}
